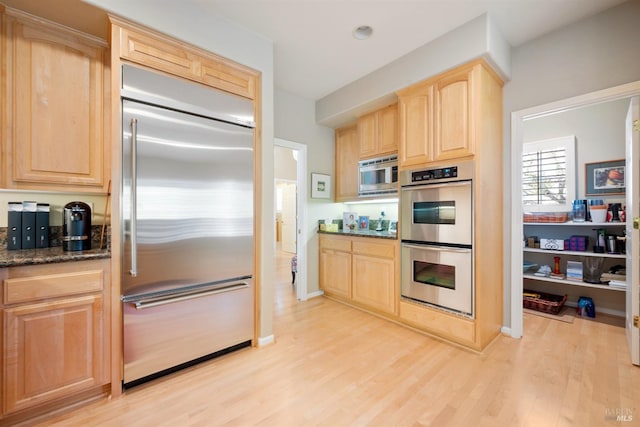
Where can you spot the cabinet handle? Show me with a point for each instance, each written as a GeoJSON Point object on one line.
{"type": "Point", "coordinates": [134, 198]}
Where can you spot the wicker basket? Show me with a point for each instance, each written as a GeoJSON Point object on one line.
{"type": "Point", "coordinates": [546, 303]}
{"type": "Point", "coordinates": [544, 217]}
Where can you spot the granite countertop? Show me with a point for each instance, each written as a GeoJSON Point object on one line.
{"type": "Point", "coordinates": [54, 253]}
{"type": "Point", "coordinates": [363, 233]}
{"type": "Point", "coordinates": [47, 256]}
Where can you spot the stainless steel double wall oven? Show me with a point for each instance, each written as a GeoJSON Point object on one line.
{"type": "Point", "coordinates": [437, 237]}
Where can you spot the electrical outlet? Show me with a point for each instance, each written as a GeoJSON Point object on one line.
{"type": "Point", "coordinates": [93, 212]}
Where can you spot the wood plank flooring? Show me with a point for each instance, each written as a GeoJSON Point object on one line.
{"type": "Point", "coordinates": [332, 365]}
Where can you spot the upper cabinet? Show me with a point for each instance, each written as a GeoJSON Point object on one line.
{"type": "Point", "coordinates": [53, 128]}
{"type": "Point", "coordinates": [346, 163]}
{"type": "Point", "coordinates": [378, 132]}
{"type": "Point", "coordinates": [416, 127]}
{"type": "Point", "coordinates": [441, 118]}
{"type": "Point", "coordinates": [154, 50]}
{"type": "Point", "coordinates": [453, 113]}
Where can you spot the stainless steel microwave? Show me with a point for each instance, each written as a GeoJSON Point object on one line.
{"type": "Point", "coordinates": [378, 176]}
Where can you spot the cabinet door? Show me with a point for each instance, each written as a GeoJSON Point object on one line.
{"type": "Point", "coordinates": [52, 349]}
{"type": "Point", "coordinates": [453, 138]}
{"type": "Point", "coordinates": [55, 85]}
{"type": "Point", "coordinates": [346, 163]}
{"type": "Point", "coordinates": [143, 49]}
{"type": "Point", "coordinates": [368, 135]}
{"type": "Point", "coordinates": [335, 272]}
{"type": "Point", "coordinates": [388, 130]}
{"type": "Point", "coordinates": [416, 128]}
{"type": "Point", "coordinates": [373, 282]}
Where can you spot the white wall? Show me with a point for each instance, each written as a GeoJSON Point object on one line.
{"type": "Point", "coordinates": [221, 37]}
{"type": "Point", "coordinates": [599, 132]}
{"type": "Point", "coordinates": [596, 53]}
{"type": "Point", "coordinates": [285, 165]}
{"type": "Point", "coordinates": [295, 121]}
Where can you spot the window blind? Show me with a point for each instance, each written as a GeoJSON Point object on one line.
{"type": "Point", "coordinates": [544, 177]}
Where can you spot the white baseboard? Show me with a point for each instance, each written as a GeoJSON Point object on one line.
{"type": "Point", "coordinates": [506, 330]}
{"type": "Point", "coordinates": [262, 341]}
{"type": "Point", "coordinates": [315, 294]}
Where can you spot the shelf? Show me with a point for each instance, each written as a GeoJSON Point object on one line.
{"type": "Point", "coordinates": [579, 224]}
{"type": "Point", "coordinates": [571, 282]}
{"type": "Point", "coordinates": [574, 253]}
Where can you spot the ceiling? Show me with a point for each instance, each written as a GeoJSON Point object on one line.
{"type": "Point", "coordinates": [315, 53]}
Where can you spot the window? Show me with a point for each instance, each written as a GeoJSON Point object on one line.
{"type": "Point", "coordinates": [548, 175]}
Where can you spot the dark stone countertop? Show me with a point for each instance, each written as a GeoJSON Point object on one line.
{"type": "Point", "coordinates": [363, 233]}
{"type": "Point", "coordinates": [47, 256]}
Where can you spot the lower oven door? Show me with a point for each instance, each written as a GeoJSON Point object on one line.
{"type": "Point", "coordinates": [439, 276]}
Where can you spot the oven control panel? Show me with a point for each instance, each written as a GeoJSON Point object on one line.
{"type": "Point", "coordinates": [433, 174]}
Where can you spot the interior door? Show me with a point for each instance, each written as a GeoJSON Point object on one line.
{"type": "Point", "coordinates": [632, 183]}
{"type": "Point", "coordinates": [289, 218]}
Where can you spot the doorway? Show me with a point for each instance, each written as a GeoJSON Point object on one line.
{"type": "Point", "coordinates": [518, 120]}
{"type": "Point", "coordinates": [291, 212]}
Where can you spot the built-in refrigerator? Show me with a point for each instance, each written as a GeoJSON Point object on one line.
{"type": "Point", "coordinates": [187, 223]}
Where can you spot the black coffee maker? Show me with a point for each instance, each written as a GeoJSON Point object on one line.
{"type": "Point", "coordinates": [76, 228]}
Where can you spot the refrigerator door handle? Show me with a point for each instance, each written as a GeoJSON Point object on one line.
{"type": "Point", "coordinates": [134, 198]}
{"type": "Point", "coordinates": [154, 302]}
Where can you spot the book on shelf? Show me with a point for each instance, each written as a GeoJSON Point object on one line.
{"type": "Point", "coordinates": [612, 276]}
{"type": "Point", "coordinates": [618, 284]}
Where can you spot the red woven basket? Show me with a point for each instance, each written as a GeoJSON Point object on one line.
{"type": "Point", "coordinates": [546, 303]}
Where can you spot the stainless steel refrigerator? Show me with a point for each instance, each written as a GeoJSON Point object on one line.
{"type": "Point", "coordinates": [187, 216]}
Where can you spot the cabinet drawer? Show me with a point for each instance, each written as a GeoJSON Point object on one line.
{"type": "Point", "coordinates": [335, 243]}
{"type": "Point", "coordinates": [442, 324]}
{"type": "Point", "coordinates": [374, 249]}
{"type": "Point", "coordinates": [25, 289]}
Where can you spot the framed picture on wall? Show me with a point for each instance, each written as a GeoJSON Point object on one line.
{"type": "Point", "coordinates": [604, 177]}
{"type": "Point", "coordinates": [320, 186]}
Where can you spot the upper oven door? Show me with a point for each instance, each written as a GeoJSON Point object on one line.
{"type": "Point", "coordinates": [438, 213]}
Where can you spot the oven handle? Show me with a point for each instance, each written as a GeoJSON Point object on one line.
{"type": "Point", "coordinates": [444, 184]}
{"type": "Point", "coordinates": [437, 248]}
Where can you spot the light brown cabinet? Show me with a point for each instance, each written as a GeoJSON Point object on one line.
{"type": "Point", "coordinates": [453, 113]}
{"type": "Point", "coordinates": [458, 115]}
{"type": "Point", "coordinates": [360, 270]}
{"type": "Point", "coordinates": [53, 81]}
{"type": "Point", "coordinates": [416, 127]}
{"type": "Point", "coordinates": [441, 118]}
{"type": "Point", "coordinates": [378, 132]}
{"type": "Point", "coordinates": [55, 335]}
{"type": "Point", "coordinates": [346, 164]}
{"type": "Point", "coordinates": [335, 266]}
{"type": "Point", "coordinates": [374, 269]}
{"type": "Point", "coordinates": [162, 53]}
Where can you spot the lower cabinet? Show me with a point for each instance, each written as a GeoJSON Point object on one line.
{"type": "Point", "coordinates": [56, 336]}
{"type": "Point", "coordinates": [360, 270]}
{"type": "Point", "coordinates": [374, 270]}
{"type": "Point", "coordinates": [335, 269]}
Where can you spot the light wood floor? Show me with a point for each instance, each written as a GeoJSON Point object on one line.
{"type": "Point", "coordinates": [333, 365]}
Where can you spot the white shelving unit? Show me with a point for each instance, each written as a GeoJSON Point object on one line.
{"type": "Point", "coordinates": [576, 253]}
{"type": "Point", "coordinates": [571, 282]}
{"type": "Point", "coordinates": [563, 230]}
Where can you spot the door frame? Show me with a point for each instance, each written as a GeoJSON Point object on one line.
{"type": "Point", "coordinates": [515, 210]}
{"type": "Point", "coordinates": [301, 199]}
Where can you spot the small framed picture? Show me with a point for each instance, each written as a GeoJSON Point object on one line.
{"type": "Point", "coordinates": [604, 177]}
{"type": "Point", "coordinates": [363, 222]}
{"type": "Point", "coordinates": [320, 186]}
